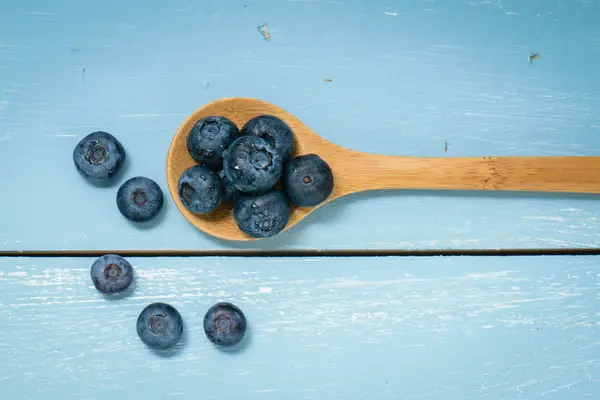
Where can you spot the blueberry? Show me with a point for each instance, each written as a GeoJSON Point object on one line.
{"type": "Point", "coordinates": [263, 215]}
{"type": "Point", "coordinates": [209, 137]}
{"type": "Point", "coordinates": [99, 156]}
{"type": "Point", "coordinates": [307, 180]}
{"type": "Point", "coordinates": [139, 199]}
{"type": "Point", "coordinates": [111, 273]}
{"type": "Point", "coordinates": [274, 131]}
{"type": "Point", "coordinates": [230, 193]}
{"type": "Point", "coordinates": [159, 325]}
{"type": "Point", "coordinates": [224, 324]}
{"type": "Point", "coordinates": [200, 189]}
{"type": "Point", "coordinates": [252, 165]}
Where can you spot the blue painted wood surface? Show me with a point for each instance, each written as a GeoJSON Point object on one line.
{"type": "Point", "coordinates": [418, 78]}
{"type": "Point", "coordinates": [353, 328]}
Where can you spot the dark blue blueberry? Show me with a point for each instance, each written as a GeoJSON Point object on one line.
{"type": "Point", "coordinates": [111, 273]}
{"type": "Point", "coordinates": [139, 199]}
{"type": "Point", "coordinates": [307, 180]}
{"type": "Point", "coordinates": [225, 324]}
{"type": "Point", "coordinates": [209, 137]}
{"type": "Point", "coordinates": [263, 215]}
{"type": "Point", "coordinates": [274, 131]}
{"type": "Point", "coordinates": [252, 165]}
{"type": "Point", "coordinates": [99, 156]}
{"type": "Point", "coordinates": [230, 193]}
{"type": "Point", "coordinates": [200, 189]}
{"type": "Point", "coordinates": [159, 325]}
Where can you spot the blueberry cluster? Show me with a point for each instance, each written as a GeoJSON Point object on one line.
{"type": "Point", "coordinates": [242, 169]}
{"type": "Point", "coordinates": [99, 157]}
{"type": "Point", "coordinates": [160, 325]}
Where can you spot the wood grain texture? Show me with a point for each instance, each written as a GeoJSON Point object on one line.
{"type": "Point", "coordinates": [355, 172]}
{"type": "Point", "coordinates": [351, 328]}
{"type": "Point", "coordinates": [412, 79]}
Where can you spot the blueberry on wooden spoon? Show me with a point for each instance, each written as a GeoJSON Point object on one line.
{"type": "Point", "coordinates": [209, 137]}
{"type": "Point", "coordinates": [263, 215]}
{"type": "Point", "coordinates": [252, 165]}
{"type": "Point", "coordinates": [274, 131]}
{"type": "Point", "coordinates": [230, 193]}
{"type": "Point", "coordinates": [200, 189]}
{"type": "Point", "coordinates": [307, 180]}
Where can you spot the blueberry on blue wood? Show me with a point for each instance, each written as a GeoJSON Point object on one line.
{"type": "Point", "coordinates": [263, 215]}
{"type": "Point", "coordinates": [274, 131]}
{"type": "Point", "coordinates": [252, 165]}
{"type": "Point", "coordinates": [99, 156]}
{"type": "Point", "coordinates": [208, 138]}
{"type": "Point", "coordinates": [159, 325]}
{"type": "Point", "coordinates": [200, 189]}
{"type": "Point", "coordinates": [230, 193]}
{"type": "Point", "coordinates": [307, 180]}
{"type": "Point", "coordinates": [140, 199]}
{"type": "Point", "coordinates": [225, 324]}
{"type": "Point", "coordinates": [111, 273]}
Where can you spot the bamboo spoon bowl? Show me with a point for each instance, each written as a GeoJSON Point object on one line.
{"type": "Point", "coordinates": [355, 171]}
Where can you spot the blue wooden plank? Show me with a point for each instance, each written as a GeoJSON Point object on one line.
{"type": "Point", "coordinates": [351, 328]}
{"type": "Point", "coordinates": [408, 79]}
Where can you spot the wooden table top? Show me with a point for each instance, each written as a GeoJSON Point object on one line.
{"type": "Point", "coordinates": [320, 328]}
{"type": "Point", "coordinates": [415, 79]}
{"type": "Point", "coordinates": [424, 78]}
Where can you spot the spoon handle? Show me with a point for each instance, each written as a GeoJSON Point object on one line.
{"type": "Point", "coordinates": [576, 174]}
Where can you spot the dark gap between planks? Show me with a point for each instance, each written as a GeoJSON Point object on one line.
{"type": "Point", "coordinates": [305, 253]}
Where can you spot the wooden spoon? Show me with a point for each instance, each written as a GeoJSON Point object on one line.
{"type": "Point", "coordinates": [356, 171]}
